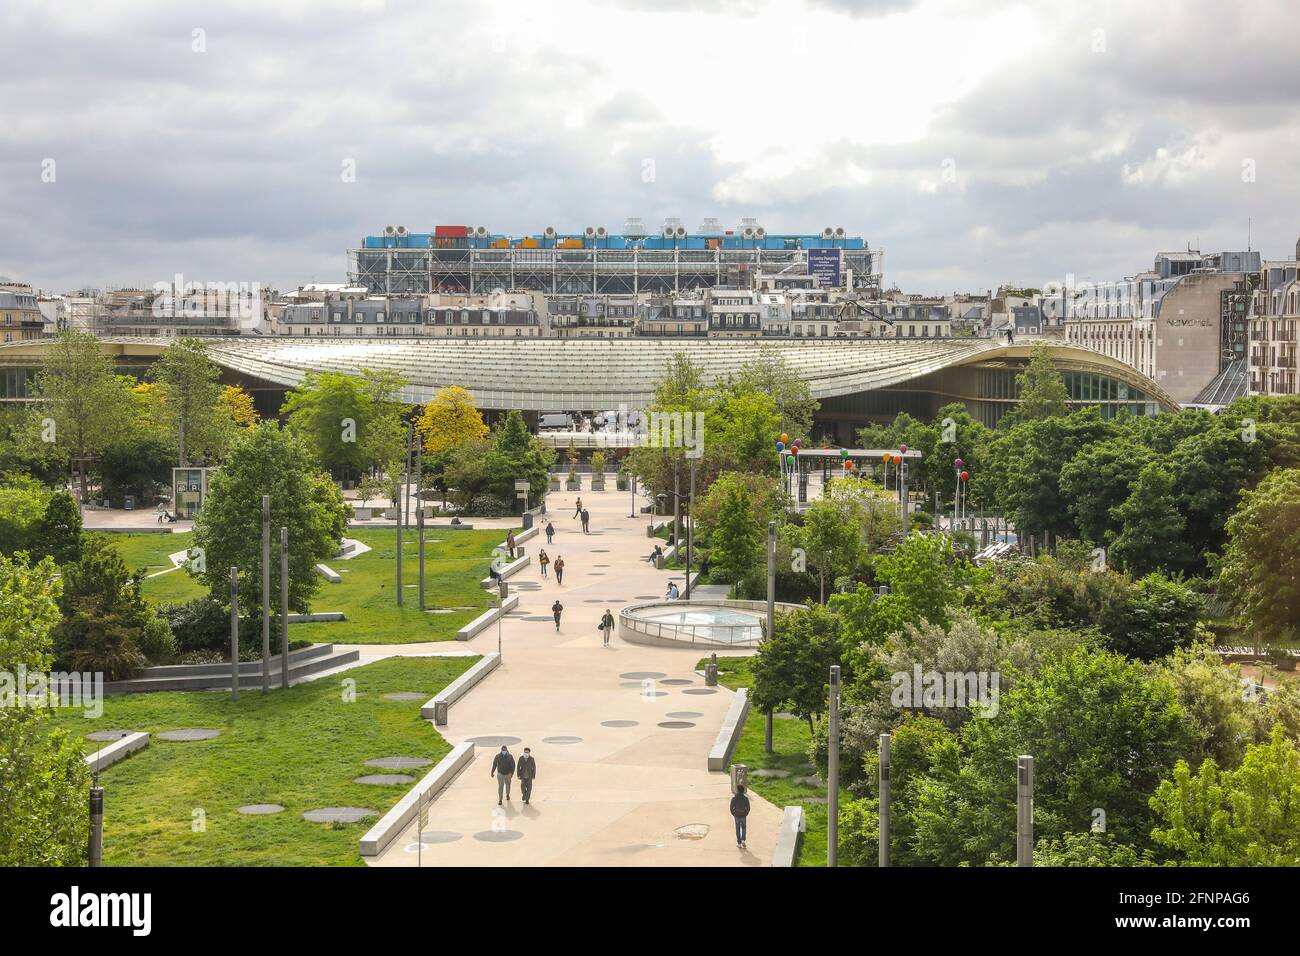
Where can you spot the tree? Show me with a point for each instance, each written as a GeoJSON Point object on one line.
{"type": "Point", "coordinates": [1041, 389]}
{"type": "Point", "coordinates": [793, 665]}
{"type": "Point", "coordinates": [239, 406]}
{"type": "Point", "coordinates": [23, 451]}
{"type": "Point", "coordinates": [22, 503]}
{"type": "Point", "coordinates": [268, 460]}
{"type": "Point", "coordinates": [43, 776]}
{"type": "Point", "coordinates": [1153, 530]}
{"type": "Point", "coordinates": [78, 389]}
{"type": "Point", "coordinates": [450, 419]}
{"type": "Point", "coordinates": [832, 542]}
{"type": "Point", "coordinates": [191, 397]}
{"type": "Point", "coordinates": [139, 463]}
{"type": "Point", "coordinates": [352, 423]}
{"type": "Point", "coordinates": [1261, 565]}
{"type": "Point", "coordinates": [1099, 478]}
{"type": "Point", "coordinates": [1219, 716]}
{"type": "Point", "coordinates": [736, 544]}
{"type": "Point", "coordinates": [1249, 816]}
{"type": "Point", "coordinates": [58, 533]}
{"type": "Point", "coordinates": [770, 374]}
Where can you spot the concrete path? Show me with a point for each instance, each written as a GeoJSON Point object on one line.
{"type": "Point", "coordinates": [617, 795]}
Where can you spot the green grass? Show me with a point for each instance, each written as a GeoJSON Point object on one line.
{"type": "Point", "coordinates": [790, 740]}
{"type": "Point", "coordinates": [455, 562]}
{"type": "Point", "coordinates": [300, 748]}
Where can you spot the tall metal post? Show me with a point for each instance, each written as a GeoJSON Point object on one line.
{"type": "Point", "coordinates": [690, 528]}
{"type": "Point", "coordinates": [402, 493]}
{"type": "Point", "coordinates": [833, 772]}
{"type": "Point", "coordinates": [1024, 811]}
{"type": "Point", "coordinates": [266, 593]}
{"type": "Point", "coordinates": [95, 851]}
{"type": "Point", "coordinates": [771, 619]}
{"type": "Point", "coordinates": [884, 799]}
{"type": "Point", "coordinates": [234, 633]}
{"type": "Point", "coordinates": [284, 608]}
{"type": "Point", "coordinates": [677, 515]}
{"type": "Point", "coordinates": [419, 513]}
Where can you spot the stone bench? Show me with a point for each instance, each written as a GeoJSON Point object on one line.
{"type": "Point", "coordinates": [317, 617]}
{"type": "Point", "coordinates": [392, 823]}
{"type": "Point", "coordinates": [487, 617]}
{"type": "Point", "coordinates": [788, 836]}
{"type": "Point", "coordinates": [729, 733]}
{"type": "Point", "coordinates": [507, 570]}
{"type": "Point", "coordinates": [117, 750]}
{"type": "Point", "coordinates": [437, 707]}
{"type": "Point", "coordinates": [330, 575]}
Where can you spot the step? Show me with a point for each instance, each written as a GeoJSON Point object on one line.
{"type": "Point", "coordinates": [248, 679]}
{"type": "Point", "coordinates": [198, 670]}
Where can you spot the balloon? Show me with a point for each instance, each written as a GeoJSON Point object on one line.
{"type": "Point", "coordinates": [885, 456]}
{"type": "Point", "coordinates": [795, 449]}
{"type": "Point", "coordinates": [844, 453]}
{"type": "Point", "coordinates": [903, 449]}
{"type": "Point", "coordinates": [848, 466]}
{"type": "Point", "coordinates": [957, 463]}
{"type": "Point", "coordinates": [789, 460]}
{"type": "Point", "coordinates": [965, 476]}
{"type": "Point", "coordinates": [784, 438]}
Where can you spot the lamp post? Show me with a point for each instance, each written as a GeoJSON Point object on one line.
{"type": "Point", "coordinates": [690, 529]}
{"type": "Point", "coordinates": [900, 479]}
{"type": "Point", "coordinates": [1024, 811]}
{"type": "Point", "coordinates": [632, 485]}
{"type": "Point", "coordinates": [771, 619]}
{"type": "Point", "coordinates": [833, 771]}
{"type": "Point", "coordinates": [284, 608]}
{"type": "Point", "coordinates": [266, 593]}
{"type": "Point", "coordinates": [883, 829]}
{"type": "Point", "coordinates": [234, 634]}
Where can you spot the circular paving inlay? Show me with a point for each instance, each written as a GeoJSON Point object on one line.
{"type": "Point", "coordinates": [536, 618]}
{"type": "Point", "coordinates": [676, 724]}
{"type": "Point", "coordinates": [699, 690]}
{"type": "Point", "coordinates": [677, 681]}
{"type": "Point", "coordinates": [339, 814]}
{"type": "Point", "coordinates": [602, 565]}
{"type": "Point", "coordinates": [497, 836]}
{"type": "Point", "coordinates": [188, 734]}
{"type": "Point", "coordinates": [654, 693]}
{"type": "Point", "coordinates": [648, 597]}
{"type": "Point", "coordinates": [107, 735]}
{"type": "Point", "coordinates": [261, 809]}
{"type": "Point", "coordinates": [642, 675]}
{"type": "Point", "coordinates": [440, 836]}
{"type": "Point", "coordinates": [600, 550]}
{"type": "Point", "coordinates": [561, 740]}
{"type": "Point", "coordinates": [493, 741]}
{"type": "Point", "coordinates": [384, 779]}
{"type": "Point", "coordinates": [687, 714]}
{"type": "Point", "coordinates": [398, 763]}
{"type": "Point", "coordinates": [618, 723]}
{"type": "Point", "coordinates": [406, 695]}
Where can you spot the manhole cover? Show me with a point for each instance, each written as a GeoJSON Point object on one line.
{"type": "Point", "coordinates": [384, 779]}
{"type": "Point", "coordinates": [339, 814]}
{"type": "Point", "coordinates": [261, 809]}
{"type": "Point", "coordinates": [692, 831]}
{"type": "Point", "coordinates": [676, 724]}
{"type": "Point", "coordinates": [188, 734]}
{"type": "Point", "coordinates": [618, 723]}
{"type": "Point", "coordinates": [406, 695]}
{"type": "Point", "coordinates": [398, 763]}
{"type": "Point", "coordinates": [497, 836]}
{"type": "Point", "coordinates": [643, 675]}
{"type": "Point", "coordinates": [492, 741]}
{"type": "Point", "coordinates": [561, 740]}
{"type": "Point", "coordinates": [103, 736]}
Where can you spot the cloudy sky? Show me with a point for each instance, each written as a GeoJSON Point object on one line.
{"type": "Point", "coordinates": [975, 142]}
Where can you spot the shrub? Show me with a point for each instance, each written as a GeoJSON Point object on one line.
{"type": "Point", "coordinates": [198, 625]}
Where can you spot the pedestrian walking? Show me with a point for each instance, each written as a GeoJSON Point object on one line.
{"type": "Point", "coordinates": [503, 768]}
{"type": "Point", "coordinates": [527, 771]}
{"type": "Point", "coordinates": [550, 533]}
{"type": "Point", "coordinates": [556, 610]}
{"type": "Point", "coordinates": [542, 561]}
{"type": "Point", "coordinates": [586, 516]}
{"type": "Point", "coordinates": [559, 570]}
{"type": "Point", "coordinates": [739, 812]}
{"type": "Point", "coordinates": [577, 510]}
{"type": "Point", "coordinates": [510, 544]}
{"type": "Point", "coordinates": [607, 626]}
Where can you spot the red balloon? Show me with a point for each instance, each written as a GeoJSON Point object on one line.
{"type": "Point", "coordinates": [848, 466]}
{"type": "Point", "coordinates": [794, 450]}
{"type": "Point", "coordinates": [965, 476]}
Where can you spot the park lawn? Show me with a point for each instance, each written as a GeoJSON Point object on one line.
{"type": "Point", "coordinates": [790, 740]}
{"type": "Point", "coordinates": [455, 562]}
{"type": "Point", "coordinates": [148, 553]}
{"type": "Point", "coordinates": [300, 748]}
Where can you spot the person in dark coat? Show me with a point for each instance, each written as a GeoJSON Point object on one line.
{"type": "Point", "coordinates": [543, 559]}
{"type": "Point", "coordinates": [577, 508]}
{"type": "Point", "coordinates": [550, 533]}
{"type": "Point", "coordinates": [503, 768]}
{"type": "Point", "coordinates": [607, 626]}
{"type": "Point", "coordinates": [559, 570]}
{"type": "Point", "coordinates": [739, 812]}
{"type": "Point", "coordinates": [510, 544]}
{"type": "Point", "coordinates": [556, 610]}
{"type": "Point", "coordinates": [586, 516]}
{"type": "Point", "coordinates": [527, 770]}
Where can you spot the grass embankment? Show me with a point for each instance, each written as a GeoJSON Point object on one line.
{"type": "Point", "coordinates": [455, 562]}
{"type": "Point", "coordinates": [790, 740]}
{"type": "Point", "coordinates": [300, 748]}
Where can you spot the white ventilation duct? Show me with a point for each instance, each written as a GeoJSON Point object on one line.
{"type": "Point", "coordinates": [590, 232]}
{"type": "Point", "coordinates": [550, 232]}
{"type": "Point", "coordinates": [390, 230]}
{"type": "Point", "coordinates": [600, 232]}
{"type": "Point", "coordinates": [828, 233]}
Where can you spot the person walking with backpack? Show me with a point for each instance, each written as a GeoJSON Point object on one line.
{"type": "Point", "coordinates": [559, 570]}
{"type": "Point", "coordinates": [503, 768]}
{"type": "Point", "coordinates": [550, 533]}
{"type": "Point", "coordinates": [739, 812]}
{"type": "Point", "coordinates": [543, 560]}
{"type": "Point", "coordinates": [556, 610]}
{"type": "Point", "coordinates": [586, 516]}
{"type": "Point", "coordinates": [607, 626]}
{"type": "Point", "coordinates": [527, 770]}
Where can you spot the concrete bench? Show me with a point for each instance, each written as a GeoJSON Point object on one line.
{"type": "Point", "coordinates": [487, 617]}
{"type": "Point", "coordinates": [437, 707]}
{"type": "Point", "coordinates": [729, 733]}
{"type": "Point", "coordinates": [523, 536]}
{"type": "Point", "coordinates": [788, 836]}
{"type": "Point", "coordinates": [117, 750]}
{"type": "Point", "coordinates": [507, 570]}
{"type": "Point", "coordinates": [317, 617]}
{"type": "Point", "coordinates": [392, 823]}
{"type": "Point", "coordinates": [329, 574]}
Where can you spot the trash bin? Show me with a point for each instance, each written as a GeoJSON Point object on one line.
{"type": "Point", "coordinates": [739, 776]}
{"type": "Point", "coordinates": [659, 561]}
{"type": "Point", "coordinates": [129, 502]}
{"type": "Point", "coordinates": [528, 520]}
{"type": "Point", "coordinates": [711, 671]}
{"type": "Point", "coordinates": [440, 713]}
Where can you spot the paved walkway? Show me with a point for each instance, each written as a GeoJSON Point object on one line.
{"type": "Point", "coordinates": [616, 795]}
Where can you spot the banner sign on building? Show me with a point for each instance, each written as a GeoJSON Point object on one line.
{"type": "Point", "coordinates": [824, 264]}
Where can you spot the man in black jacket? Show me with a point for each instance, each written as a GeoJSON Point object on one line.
{"type": "Point", "coordinates": [503, 768]}
{"type": "Point", "coordinates": [739, 811]}
{"type": "Point", "coordinates": [527, 771]}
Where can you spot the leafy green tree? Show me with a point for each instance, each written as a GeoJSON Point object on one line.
{"type": "Point", "coordinates": [736, 543]}
{"type": "Point", "coordinates": [1099, 478]}
{"type": "Point", "coordinates": [515, 455]}
{"type": "Point", "coordinates": [139, 463]}
{"type": "Point", "coordinates": [23, 452]}
{"type": "Point", "coordinates": [58, 534]}
{"type": "Point", "coordinates": [43, 776]}
{"type": "Point", "coordinates": [351, 423]}
{"type": "Point", "coordinates": [832, 542]}
{"type": "Point", "coordinates": [1153, 529]}
{"type": "Point", "coordinates": [1220, 718]}
{"type": "Point", "coordinates": [1249, 816]}
{"type": "Point", "coordinates": [268, 460]}
{"type": "Point", "coordinates": [1041, 389]}
{"type": "Point", "coordinates": [792, 667]}
{"type": "Point", "coordinates": [449, 419]}
{"type": "Point", "coordinates": [192, 398]}
{"type": "Point", "coordinates": [1088, 849]}
{"type": "Point", "coordinates": [770, 374]}
{"type": "Point", "coordinates": [1261, 565]}
{"type": "Point", "coordinates": [23, 500]}
{"type": "Point", "coordinates": [90, 405]}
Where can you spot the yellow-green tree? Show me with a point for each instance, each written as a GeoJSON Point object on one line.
{"type": "Point", "coordinates": [450, 419]}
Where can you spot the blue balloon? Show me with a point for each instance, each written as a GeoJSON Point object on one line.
{"type": "Point", "coordinates": [780, 446]}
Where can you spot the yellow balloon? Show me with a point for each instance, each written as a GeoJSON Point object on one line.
{"type": "Point", "coordinates": [785, 439]}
